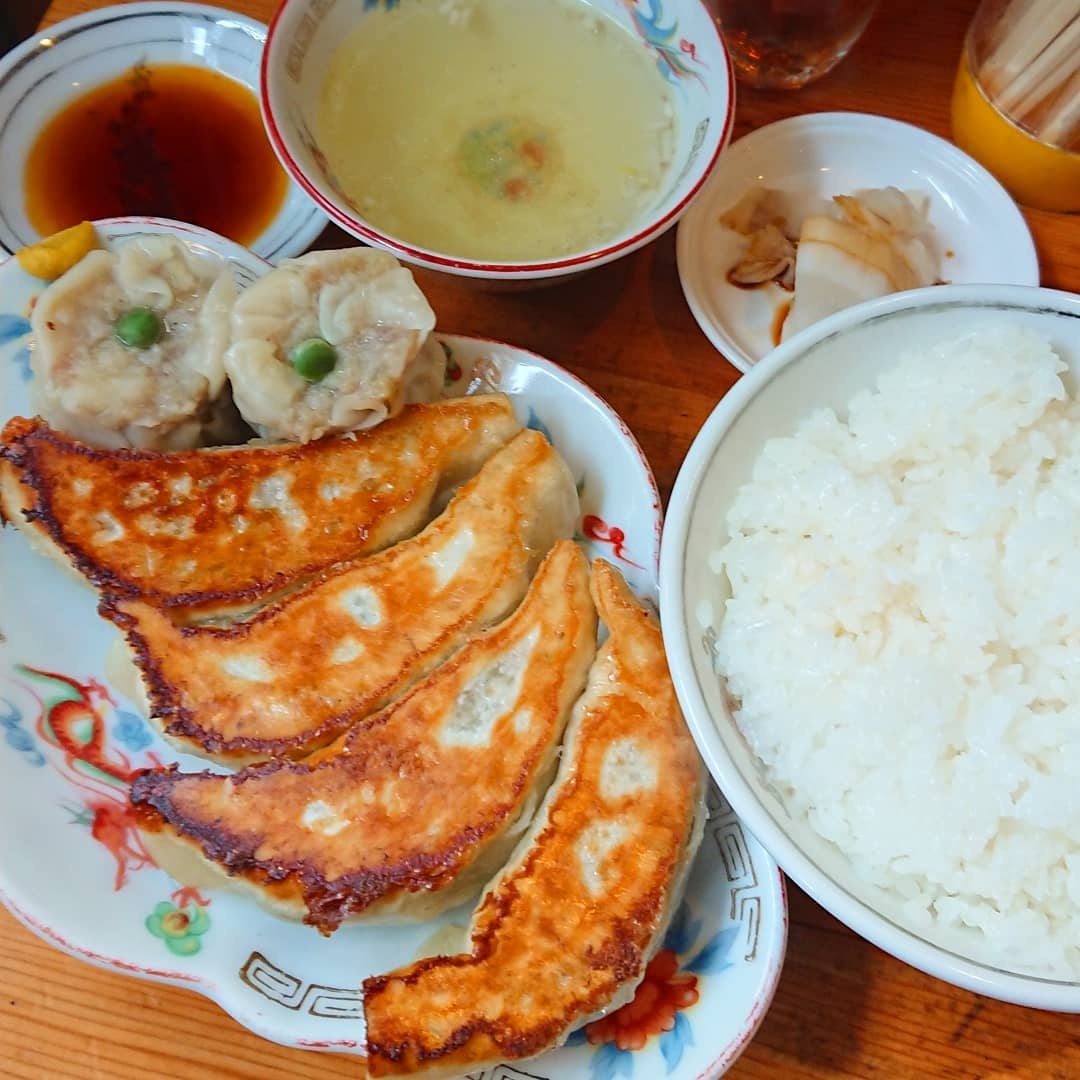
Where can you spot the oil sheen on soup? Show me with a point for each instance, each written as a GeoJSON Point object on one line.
{"type": "Point", "coordinates": [495, 129]}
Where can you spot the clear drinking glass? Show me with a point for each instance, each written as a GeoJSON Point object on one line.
{"type": "Point", "coordinates": [787, 43]}
{"type": "Point", "coordinates": [1016, 101]}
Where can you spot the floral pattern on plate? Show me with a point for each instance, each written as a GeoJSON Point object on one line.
{"type": "Point", "coordinates": [676, 57]}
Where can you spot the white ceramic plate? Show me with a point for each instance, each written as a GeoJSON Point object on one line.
{"type": "Point", "coordinates": [982, 236]}
{"type": "Point", "coordinates": [62, 729]}
{"type": "Point", "coordinates": [41, 75]}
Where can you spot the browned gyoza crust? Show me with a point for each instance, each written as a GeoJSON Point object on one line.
{"type": "Point", "coordinates": [411, 811]}
{"type": "Point", "coordinates": [569, 924]}
{"type": "Point", "coordinates": [225, 527]}
{"type": "Point", "coordinates": [303, 669]}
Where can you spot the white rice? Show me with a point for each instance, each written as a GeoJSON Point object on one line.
{"type": "Point", "coordinates": [903, 639]}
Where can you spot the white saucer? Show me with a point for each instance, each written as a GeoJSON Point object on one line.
{"type": "Point", "coordinates": [982, 236]}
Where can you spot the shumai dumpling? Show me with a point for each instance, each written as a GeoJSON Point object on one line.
{"type": "Point", "coordinates": [129, 345]}
{"type": "Point", "coordinates": [333, 341]}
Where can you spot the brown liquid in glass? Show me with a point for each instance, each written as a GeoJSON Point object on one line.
{"type": "Point", "coordinates": [167, 140]}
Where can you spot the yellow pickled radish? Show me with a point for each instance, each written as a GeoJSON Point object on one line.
{"type": "Point", "coordinates": [56, 254]}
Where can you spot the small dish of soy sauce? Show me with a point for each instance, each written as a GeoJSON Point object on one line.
{"type": "Point", "coordinates": [145, 110]}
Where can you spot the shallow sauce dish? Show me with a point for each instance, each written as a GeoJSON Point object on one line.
{"type": "Point", "coordinates": [678, 35]}
{"type": "Point", "coordinates": [825, 366]}
{"type": "Point", "coordinates": [283, 980]}
{"type": "Point", "coordinates": [46, 73]}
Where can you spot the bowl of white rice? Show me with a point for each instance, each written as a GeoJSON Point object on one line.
{"type": "Point", "coordinates": [870, 593]}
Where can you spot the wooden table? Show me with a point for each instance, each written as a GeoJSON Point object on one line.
{"type": "Point", "coordinates": [843, 1009]}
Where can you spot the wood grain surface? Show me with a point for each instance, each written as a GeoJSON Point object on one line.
{"type": "Point", "coordinates": [843, 1009]}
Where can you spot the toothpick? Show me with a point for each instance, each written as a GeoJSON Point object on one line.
{"type": "Point", "coordinates": [1054, 61]}
{"type": "Point", "coordinates": [1045, 76]}
{"type": "Point", "coordinates": [1061, 126]}
{"type": "Point", "coordinates": [1031, 28]}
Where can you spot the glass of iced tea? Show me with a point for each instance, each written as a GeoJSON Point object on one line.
{"type": "Point", "coordinates": [787, 43]}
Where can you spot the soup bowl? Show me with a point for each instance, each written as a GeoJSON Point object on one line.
{"type": "Point", "coordinates": [48, 71]}
{"type": "Point", "coordinates": [682, 42]}
{"type": "Point", "coordinates": [824, 366]}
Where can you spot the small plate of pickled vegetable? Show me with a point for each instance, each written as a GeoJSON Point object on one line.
{"type": "Point", "coordinates": [972, 229]}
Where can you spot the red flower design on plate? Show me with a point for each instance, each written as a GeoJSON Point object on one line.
{"type": "Point", "coordinates": [595, 528]}
{"type": "Point", "coordinates": [662, 993]}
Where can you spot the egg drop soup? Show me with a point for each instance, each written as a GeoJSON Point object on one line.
{"type": "Point", "coordinates": [494, 129]}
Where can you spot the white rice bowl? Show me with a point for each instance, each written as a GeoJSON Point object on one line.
{"type": "Point", "coordinates": [870, 593]}
{"type": "Point", "coordinates": [903, 637]}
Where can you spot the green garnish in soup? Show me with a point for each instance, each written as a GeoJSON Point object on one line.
{"type": "Point", "coordinates": [313, 359]}
{"type": "Point", "coordinates": [139, 328]}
